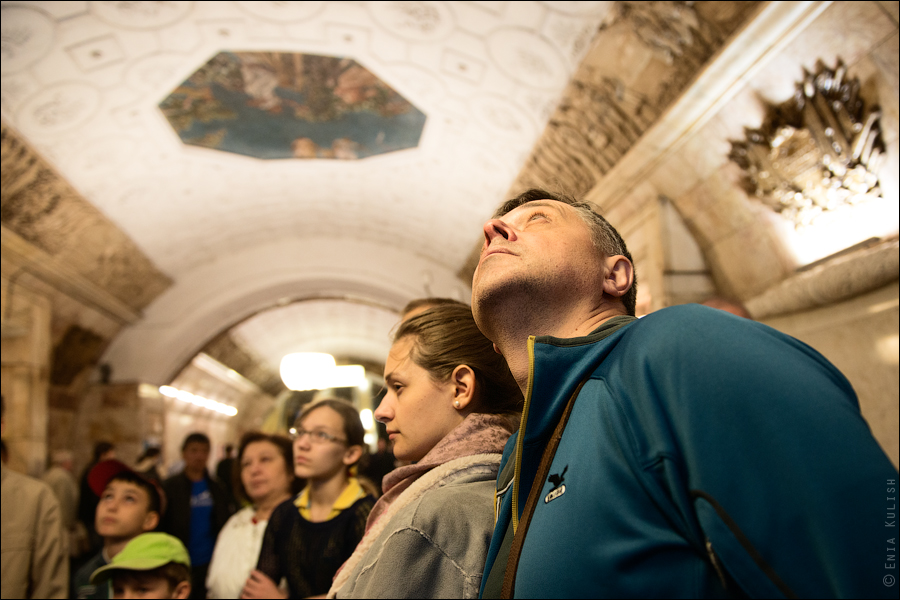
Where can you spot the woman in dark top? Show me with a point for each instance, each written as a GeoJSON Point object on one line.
{"type": "Point", "coordinates": [309, 537]}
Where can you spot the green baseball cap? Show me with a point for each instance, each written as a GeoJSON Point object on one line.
{"type": "Point", "coordinates": [145, 552]}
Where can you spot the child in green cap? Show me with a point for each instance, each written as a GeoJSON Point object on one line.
{"type": "Point", "coordinates": [151, 565]}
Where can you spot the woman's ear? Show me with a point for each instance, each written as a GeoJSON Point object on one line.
{"type": "Point", "coordinates": [463, 380]}
{"type": "Point", "coordinates": [352, 455]}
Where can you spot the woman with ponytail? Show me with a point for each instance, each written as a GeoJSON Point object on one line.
{"type": "Point", "coordinates": [450, 405]}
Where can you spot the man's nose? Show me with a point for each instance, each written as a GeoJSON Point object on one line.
{"type": "Point", "coordinates": [495, 228]}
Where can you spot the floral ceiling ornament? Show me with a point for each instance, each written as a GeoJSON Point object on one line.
{"type": "Point", "coordinates": [815, 153]}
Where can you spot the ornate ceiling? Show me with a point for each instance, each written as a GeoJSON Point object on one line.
{"type": "Point", "coordinates": [299, 239]}
{"type": "Point", "coordinates": [83, 83]}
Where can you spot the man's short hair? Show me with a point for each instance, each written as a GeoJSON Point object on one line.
{"type": "Point", "coordinates": [196, 437]}
{"type": "Point", "coordinates": [604, 236]}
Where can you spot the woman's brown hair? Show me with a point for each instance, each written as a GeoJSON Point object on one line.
{"type": "Point", "coordinates": [283, 443]}
{"type": "Point", "coordinates": [445, 337]}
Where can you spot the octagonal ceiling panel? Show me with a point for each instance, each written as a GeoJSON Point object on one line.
{"type": "Point", "coordinates": [291, 105]}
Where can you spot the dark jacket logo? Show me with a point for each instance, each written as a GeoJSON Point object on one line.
{"type": "Point", "coordinates": [559, 488]}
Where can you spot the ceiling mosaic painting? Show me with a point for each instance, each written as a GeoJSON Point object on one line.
{"type": "Point", "coordinates": [281, 105]}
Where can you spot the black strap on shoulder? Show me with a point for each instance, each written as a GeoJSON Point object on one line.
{"type": "Point", "coordinates": [512, 563]}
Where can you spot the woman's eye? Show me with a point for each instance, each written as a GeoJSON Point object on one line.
{"type": "Point", "coordinates": [537, 215]}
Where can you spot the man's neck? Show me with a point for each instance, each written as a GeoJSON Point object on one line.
{"type": "Point", "coordinates": [511, 333]}
{"type": "Point", "coordinates": [194, 474]}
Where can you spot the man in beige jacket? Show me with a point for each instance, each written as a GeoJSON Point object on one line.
{"type": "Point", "coordinates": [33, 563]}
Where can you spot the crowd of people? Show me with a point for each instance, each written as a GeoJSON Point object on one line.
{"type": "Point", "coordinates": [545, 442]}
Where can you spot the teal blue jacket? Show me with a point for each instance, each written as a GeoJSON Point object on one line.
{"type": "Point", "coordinates": [706, 456]}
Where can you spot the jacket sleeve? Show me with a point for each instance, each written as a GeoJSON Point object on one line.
{"type": "Point", "coordinates": [769, 455]}
{"type": "Point", "coordinates": [397, 571]}
{"type": "Point", "coordinates": [49, 564]}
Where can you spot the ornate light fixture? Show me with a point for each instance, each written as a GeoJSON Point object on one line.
{"type": "Point", "coordinates": [817, 152]}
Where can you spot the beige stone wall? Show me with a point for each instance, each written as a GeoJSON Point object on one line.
{"type": "Point", "coordinates": [859, 336]}
{"type": "Point", "coordinates": [24, 378]}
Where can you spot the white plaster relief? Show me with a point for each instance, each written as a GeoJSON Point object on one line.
{"type": "Point", "coordinates": [27, 35]}
{"type": "Point", "coordinates": [97, 53]}
{"type": "Point", "coordinates": [420, 21]}
{"type": "Point", "coordinates": [503, 116]}
{"type": "Point", "coordinates": [282, 12]}
{"type": "Point", "coordinates": [527, 58]}
{"type": "Point", "coordinates": [467, 68]}
{"type": "Point", "coordinates": [141, 15]}
{"type": "Point", "coordinates": [59, 109]}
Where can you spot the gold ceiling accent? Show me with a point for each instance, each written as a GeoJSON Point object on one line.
{"type": "Point", "coordinates": [815, 153]}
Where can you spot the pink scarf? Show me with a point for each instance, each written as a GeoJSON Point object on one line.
{"type": "Point", "coordinates": [479, 433]}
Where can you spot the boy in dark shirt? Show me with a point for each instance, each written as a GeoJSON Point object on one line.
{"type": "Point", "coordinates": [129, 506]}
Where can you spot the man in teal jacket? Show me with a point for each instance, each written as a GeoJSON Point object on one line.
{"type": "Point", "coordinates": [689, 453]}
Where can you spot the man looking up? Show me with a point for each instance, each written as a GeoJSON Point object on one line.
{"type": "Point", "coordinates": [689, 453]}
{"type": "Point", "coordinates": [199, 509]}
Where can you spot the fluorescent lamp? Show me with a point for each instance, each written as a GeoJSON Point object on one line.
{"type": "Point", "coordinates": [189, 398]}
{"type": "Point", "coordinates": [317, 371]}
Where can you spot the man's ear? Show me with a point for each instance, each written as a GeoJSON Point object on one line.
{"type": "Point", "coordinates": [151, 520]}
{"type": "Point", "coordinates": [619, 276]}
{"type": "Point", "coordinates": [463, 380]}
{"type": "Point", "coordinates": [182, 590]}
{"type": "Point", "coordinates": [352, 455]}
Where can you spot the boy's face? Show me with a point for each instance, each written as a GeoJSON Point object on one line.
{"type": "Point", "coordinates": [124, 511]}
{"type": "Point", "coordinates": [135, 584]}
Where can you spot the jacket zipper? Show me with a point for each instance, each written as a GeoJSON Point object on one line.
{"type": "Point", "coordinates": [520, 441]}
{"type": "Point", "coordinates": [715, 563]}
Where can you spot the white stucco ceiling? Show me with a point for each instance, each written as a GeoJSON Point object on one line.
{"type": "Point", "coordinates": [82, 81]}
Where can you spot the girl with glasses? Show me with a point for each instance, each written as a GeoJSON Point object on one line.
{"type": "Point", "coordinates": [311, 535]}
{"type": "Point", "coordinates": [449, 407]}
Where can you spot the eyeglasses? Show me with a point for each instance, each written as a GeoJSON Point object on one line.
{"type": "Point", "coordinates": [316, 437]}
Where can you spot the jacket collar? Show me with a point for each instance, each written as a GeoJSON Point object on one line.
{"type": "Point", "coordinates": [558, 365]}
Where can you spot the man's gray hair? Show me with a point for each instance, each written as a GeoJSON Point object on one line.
{"type": "Point", "coordinates": [604, 236]}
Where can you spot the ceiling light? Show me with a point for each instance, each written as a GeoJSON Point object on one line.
{"type": "Point", "coordinates": [189, 398]}
{"type": "Point", "coordinates": [317, 371]}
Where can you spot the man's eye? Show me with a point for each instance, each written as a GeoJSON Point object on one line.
{"type": "Point", "coordinates": [537, 215]}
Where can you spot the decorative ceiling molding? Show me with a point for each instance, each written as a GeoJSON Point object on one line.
{"type": "Point", "coordinates": [64, 238]}
{"type": "Point", "coordinates": [62, 277]}
{"type": "Point", "coordinates": [601, 116]}
{"type": "Point", "coordinates": [841, 278]}
{"type": "Point", "coordinates": [771, 29]}
{"type": "Point", "coordinates": [819, 151]}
